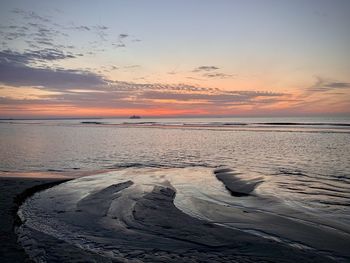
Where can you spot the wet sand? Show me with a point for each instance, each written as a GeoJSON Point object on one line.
{"type": "Point", "coordinates": [137, 220]}
{"type": "Point", "coordinates": [14, 189]}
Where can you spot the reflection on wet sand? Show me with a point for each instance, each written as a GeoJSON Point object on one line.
{"type": "Point", "coordinates": [175, 215]}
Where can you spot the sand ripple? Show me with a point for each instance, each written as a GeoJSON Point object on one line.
{"type": "Point", "coordinates": [171, 215]}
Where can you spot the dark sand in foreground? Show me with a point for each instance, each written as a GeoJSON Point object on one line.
{"type": "Point", "coordinates": [15, 187]}
{"type": "Point", "coordinates": [154, 213]}
{"type": "Point", "coordinates": [13, 190]}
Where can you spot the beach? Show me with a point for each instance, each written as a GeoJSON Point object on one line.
{"type": "Point", "coordinates": [104, 218]}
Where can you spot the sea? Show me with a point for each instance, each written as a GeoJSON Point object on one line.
{"type": "Point", "coordinates": [304, 162]}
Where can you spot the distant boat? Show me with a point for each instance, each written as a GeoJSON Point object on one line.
{"type": "Point", "coordinates": [135, 117]}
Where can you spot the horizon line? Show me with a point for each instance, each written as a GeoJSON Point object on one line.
{"type": "Point", "coordinates": [175, 117]}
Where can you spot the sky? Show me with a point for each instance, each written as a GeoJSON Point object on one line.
{"type": "Point", "coordinates": [174, 58]}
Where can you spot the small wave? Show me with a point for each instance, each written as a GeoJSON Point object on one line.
{"type": "Point", "coordinates": [91, 122]}
{"type": "Point", "coordinates": [216, 124]}
{"type": "Point", "coordinates": [304, 124]}
{"type": "Point", "coordinates": [161, 165]}
{"type": "Point", "coordinates": [141, 123]}
{"type": "Point", "coordinates": [291, 172]}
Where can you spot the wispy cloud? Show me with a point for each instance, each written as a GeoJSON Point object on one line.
{"type": "Point", "coordinates": [123, 35]}
{"type": "Point", "coordinates": [132, 66]}
{"type": "Point", "coordinates": [323, 85]}
{"type": "Point", "coordinates": [33, 56]}
{"type": "Point", "coordinates": [36, 31]}
{"type": "Point", "coordinates": [16, 70]}
{"type": "Point", "coordinates": [217, 75]}
{"type": "Point", "coordinates": [101, 31]}
{"type": "Point", "coordinates": [210, 72]}
{"type": "Point", "coordinates": [205, 68]}
{"type": "Point", "coordinates": [31, 15]}
{"type": "Point", "coordinates": [79, 28]}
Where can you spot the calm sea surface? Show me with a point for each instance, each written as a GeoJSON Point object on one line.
{"type": "Point", "coordinates": [305, 161]}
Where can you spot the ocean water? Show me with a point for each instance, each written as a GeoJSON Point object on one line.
{"type": "Point", "coordinates": [302, 164]}
{"type": "Point", "coordinates": [304, 157]}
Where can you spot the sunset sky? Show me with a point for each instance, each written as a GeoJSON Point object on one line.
{"type": "Point", "coordinates": [174, 58]}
